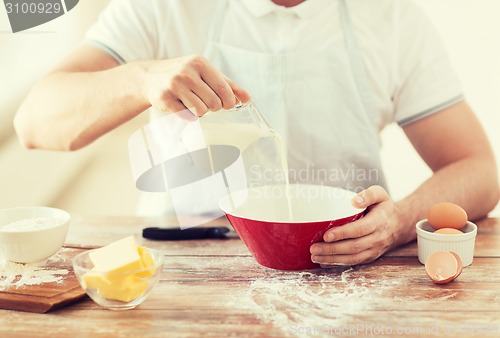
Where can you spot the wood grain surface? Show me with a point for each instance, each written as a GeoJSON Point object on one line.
{"type": "Point", "coordinates": [48, 296]}
{"type": "Point", "coordinates": [214, 288]}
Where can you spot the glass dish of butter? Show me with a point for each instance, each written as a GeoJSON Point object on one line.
{"type": "Point", "coordinates": [119, 276]}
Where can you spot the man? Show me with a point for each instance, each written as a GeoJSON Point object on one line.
{"type": "Point", "coordinates": [328, 74]}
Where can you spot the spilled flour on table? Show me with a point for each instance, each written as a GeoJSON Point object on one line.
{"type": "Point", "coordinates": [314, 299]}
{"type": "Point", "coordinates": [304, 298]}
{"type": "Point", "coordinates": [16, 275]}
{"type": "Point", "coordinates": [327, 299]}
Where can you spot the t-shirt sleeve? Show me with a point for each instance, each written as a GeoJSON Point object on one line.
{"type": "Point", "coordinates": [126, 30]}
{"type": "Point", "coordinates": [425, 80]}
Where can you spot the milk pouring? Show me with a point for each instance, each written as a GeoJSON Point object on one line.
{"type": "Point", "coordinates": [198, 162]}
{"type": "Point", "coordinates": [261, 148]}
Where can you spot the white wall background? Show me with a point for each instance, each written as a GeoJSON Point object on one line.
{"type": "Point", "coordinates": [470, 29]}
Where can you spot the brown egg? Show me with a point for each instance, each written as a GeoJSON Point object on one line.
{"type": "Point", "coordinates": [447, 215]}
{"type": "Point", "coordinates": [448, 231]}
{"type": "Point", "coordinates": [443, 267]}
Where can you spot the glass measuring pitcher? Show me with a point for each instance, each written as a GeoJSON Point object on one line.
{"type": "Point", "coordinates": [198, 162]}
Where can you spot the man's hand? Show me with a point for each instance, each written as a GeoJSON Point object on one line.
{"type": "Point", "coordinates": [366, 239]}
{"type": "Point", "coordinates": [189, 82]}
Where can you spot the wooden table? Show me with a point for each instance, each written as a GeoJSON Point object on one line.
{"type": "Point", "coordinates": [214, 288]}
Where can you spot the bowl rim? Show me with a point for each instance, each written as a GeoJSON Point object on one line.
{"type": "Point", "coordinates": [299, 222]}
{"type": "Point", "coordinates": [360, 211]}
{"type": "Point", "coordinates": [157, 265]}
{"type": "Point", "coordinates": [65, 219]}
{"type": "Point", "coordinates": [424, 234]}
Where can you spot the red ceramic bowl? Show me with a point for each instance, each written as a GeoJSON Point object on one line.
{"type": "Point", "coordinates": [279, 230]}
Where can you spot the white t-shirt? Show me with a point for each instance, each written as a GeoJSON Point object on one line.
{"type": "Point", "coordinates": [406, 62]}
{"type": "Point", "coordinates": [407, 66]}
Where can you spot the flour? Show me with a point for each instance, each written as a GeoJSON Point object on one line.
{"type": "Point", "coordinates": [31, 224]}
{"type": "Point", "coordinates": [332, 298]}
{"type": "Point", "coordinates": [299, 300]}
{"type": "Point", "coordinates": [16, 275]}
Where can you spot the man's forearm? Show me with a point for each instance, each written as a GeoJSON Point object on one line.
{"type": "Point", "coordinates": [471, 183]}
{"type": "Point", "coordinates": [68, 110]}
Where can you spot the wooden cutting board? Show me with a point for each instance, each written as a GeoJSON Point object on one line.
{"type": "Point", "coordinates": [16, 293]}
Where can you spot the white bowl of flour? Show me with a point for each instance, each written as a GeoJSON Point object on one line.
{"type": "Point", "coordinates": [32, 234]}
